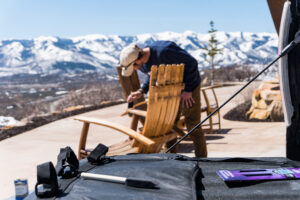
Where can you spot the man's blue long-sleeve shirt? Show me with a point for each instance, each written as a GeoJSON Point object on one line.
{"type": "Point", "coordinates": [167, 52]}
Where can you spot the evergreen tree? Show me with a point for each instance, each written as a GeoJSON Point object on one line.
{"type": "Point", "coordinates": [212, 50]}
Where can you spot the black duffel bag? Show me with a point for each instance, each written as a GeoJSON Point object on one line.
{"type": "Point", "coordinates": [176, 177]}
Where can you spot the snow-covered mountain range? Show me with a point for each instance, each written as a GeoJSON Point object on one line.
{"type": "Point", "coordinates": [49, 55]}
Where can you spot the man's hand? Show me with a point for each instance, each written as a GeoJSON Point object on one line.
{"type": "Point", "coordinates": [187, 99]}
{"type": "Point", "coordinates": [134, 95]}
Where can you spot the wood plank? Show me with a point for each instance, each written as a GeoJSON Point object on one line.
{"type": "Point", "coordinates": [173, 111]}
{"type": "Point", "coordinates": [152, 102]}
{"type": "Point", "coordinates": [177, 101]}
{"type": "Point", "coordinates": [134, 122]}
{"type": "Point", "coordinates": [167, 109]}
{"type": "Point", "coordinates": [123, 151]}
{"type": "Point", "coordinates": [167, 75]}
{"type": "Point", "coordinates": [141, 113]}
{"type": "Point", "coordinates": [153, 113]}
{"type": "Point", "coordinates": [165, 138]}
{"type": "Point", "coordinates": [181, 72]}
{"type": "Point", "coordinates": [82, 140]}
{"type": "Point", "coordinates": [153, 76]}
{"type": "Point", "coordinates": [153, 105]}
{"type": "Point", "coordinates": [160, 77]}
{"type": "Point", "coordinates": [164, 99]}
{"type": "Point", "coordinates": [173, 73]}
{"type": "Point", "coordinates": [171, 107]}
{"type": "Point", "coordinates": [178, 74]}
{"type": "Point", "coordinates": [122, 148]}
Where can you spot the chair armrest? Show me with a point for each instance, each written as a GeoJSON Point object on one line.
{"type": "Point", "coordinates": [141, 113]}
{"type": "Point", "coordinates": [139, 104]}
{"type": "Point", "coordinates": [136, 111]}
{"type": "Point", "coordinates": [210, 87]}
{"type": "Point", "coordinates": [123, 129]}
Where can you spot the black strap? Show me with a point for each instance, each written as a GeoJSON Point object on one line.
{"type": "Point", "coordinates": [47, 185]}
{"type": "Point", "coordinates": [98, 154]}
{"type": "Point", "coordinates": [67, 163]}
{"type": "Point", "coordinates": [67, 168]}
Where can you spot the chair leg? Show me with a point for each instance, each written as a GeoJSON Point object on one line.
{"type": "Point", "coordinates": [211, 128]}
{"type": "Point", "coordinates": [134, 122]}
{"type": "Point", "coordinates": [83, 136]}
{"type": "Point", "coordinates": [219, 118]}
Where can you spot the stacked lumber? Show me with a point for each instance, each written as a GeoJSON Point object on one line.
{"type": "Point", "coordinates": [266, 102]}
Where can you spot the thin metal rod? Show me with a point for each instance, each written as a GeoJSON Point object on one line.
{"type": "Point", "coordinates": [287, 49]}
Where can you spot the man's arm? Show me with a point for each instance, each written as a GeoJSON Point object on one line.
{"type": "Point", "coordinates": [135, 95]}
{"type": "Point", "coordinates": [145, 85]}
{"type": "Point", "coordinates": [139, 93]}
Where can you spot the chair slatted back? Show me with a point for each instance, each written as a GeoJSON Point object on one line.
{"type": "Point", "coordinates": [163, 103]}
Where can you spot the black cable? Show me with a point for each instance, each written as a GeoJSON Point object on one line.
{"type": "Point", "coordinates": [286, 50]}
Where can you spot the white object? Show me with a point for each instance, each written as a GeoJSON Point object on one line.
{"type": "Point", "coordinates": [283, 63]}
{"type": "Point", "coordinates": [101, 177]}
{"type": "Point", "coordinates": [127, 58]}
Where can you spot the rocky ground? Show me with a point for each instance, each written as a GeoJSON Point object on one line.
{"type": "Point", "coordinates": [238, 114]}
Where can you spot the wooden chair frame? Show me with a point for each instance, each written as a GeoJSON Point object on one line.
{"type": "Point", "coordinates": [162, 108]}
{"type": "Point", "coordinates": [209, 108]}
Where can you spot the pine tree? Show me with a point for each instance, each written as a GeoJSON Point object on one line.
{"type": "Point", "coordinates": [212, 50]}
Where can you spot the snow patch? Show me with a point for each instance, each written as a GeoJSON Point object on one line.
{"type": "Point", "coordinates": [8, 121]}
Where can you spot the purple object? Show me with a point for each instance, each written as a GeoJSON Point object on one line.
{"type": "Point", "coordinates": [259, 174]}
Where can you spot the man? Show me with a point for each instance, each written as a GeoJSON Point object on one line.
{"type": "Point", "coordinates": [166, 52]}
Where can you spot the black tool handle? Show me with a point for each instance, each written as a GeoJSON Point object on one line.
{"type": "Point", "coordinates": [140, 183]}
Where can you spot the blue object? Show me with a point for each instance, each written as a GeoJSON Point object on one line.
{"type": "Point", "coordinates": [21, 189]}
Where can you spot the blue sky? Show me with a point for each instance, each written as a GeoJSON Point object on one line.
{"type": "Point", "coordinates": [23, 19]}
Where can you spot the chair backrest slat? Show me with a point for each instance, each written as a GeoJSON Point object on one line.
{"type": "Point", "coordinates": [173, 74]}
{"type": "Point", "coordinates": [153, 76]}
{"type": "Point", "coordinates": [168, 74]}
{"type": "Point", "coordinates": [161, 75]}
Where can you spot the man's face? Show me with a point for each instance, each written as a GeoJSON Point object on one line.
{"type": "Point", "coordinates": [138, 64]}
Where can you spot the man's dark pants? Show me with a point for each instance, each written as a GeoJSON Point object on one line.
{"type": "Point", "coordinates": [192, 117]}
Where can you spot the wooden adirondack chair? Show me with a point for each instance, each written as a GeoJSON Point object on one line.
{"type": "Point", "coordinates": [162, 108]}
{"type": "Point", "coordinates": [211, 105]}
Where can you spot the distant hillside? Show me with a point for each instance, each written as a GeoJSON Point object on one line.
{"type": "Point", "coordinates": [51, 55]}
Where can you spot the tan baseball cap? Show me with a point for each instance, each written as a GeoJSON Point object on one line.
{"type": "Point", "coordinates": [128, 57]}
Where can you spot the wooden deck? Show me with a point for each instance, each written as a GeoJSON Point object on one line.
{"type": "Point", "coordinates": [20, 155]}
